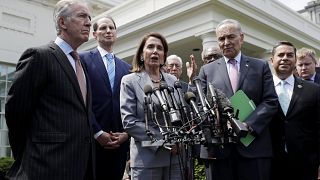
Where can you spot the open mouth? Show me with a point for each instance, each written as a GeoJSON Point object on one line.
{"type": "Point", "coordinates": [154, 58]}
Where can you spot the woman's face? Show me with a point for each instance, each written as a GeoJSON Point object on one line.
{"type": "Point", "coordinates": [153, 53]}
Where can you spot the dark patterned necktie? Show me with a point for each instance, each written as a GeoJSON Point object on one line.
{"type": "Point", "coordinates": [80, 75]}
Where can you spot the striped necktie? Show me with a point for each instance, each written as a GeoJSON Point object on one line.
{"type": "Point", "coordinates": [110, 69]}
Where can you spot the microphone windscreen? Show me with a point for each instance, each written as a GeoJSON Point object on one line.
{"type": "Point", "coordinates": [163, 85]}
{"type": "Point", "coordinates": [188, 96]}
{"type": "Point", "coordinates": [177, 84]}
{"type": "Point", "coordinates": [221, 98]}
{"type": "Point", "coordinates": [147, 89]}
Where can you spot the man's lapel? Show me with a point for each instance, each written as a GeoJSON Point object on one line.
{"type": "Point", "coordinates": [67, 68]}
{"type": "Point", "coordinates": [244, 67]}
{"type": "Point", "coordinates": [99, 64]}
{"type": "Point", "coordinates": [225, 76]}
{"type": "Point", "coordinates": [296, 94]}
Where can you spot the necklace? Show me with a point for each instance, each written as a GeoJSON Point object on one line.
{"type": "Point", "coordinates": [157, 81]}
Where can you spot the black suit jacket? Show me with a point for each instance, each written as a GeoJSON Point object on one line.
{"type": "Point", "coordinates": [317, 78]}
{"type": "Point", "coordinates": [48, 122]}
{"type": "Point", "coordinates": [299, 130]}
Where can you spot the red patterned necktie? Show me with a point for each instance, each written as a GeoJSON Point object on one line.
{"type": "Point", "coordinates": [80, 75]}
{"type": "Point", "coordinates": [233, 74]}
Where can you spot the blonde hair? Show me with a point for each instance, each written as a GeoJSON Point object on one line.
{"type": "Point", "coordinates": [304, 52]}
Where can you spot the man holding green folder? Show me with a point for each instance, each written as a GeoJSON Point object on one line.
{"type": "Point", "coordinates": [233, 72]}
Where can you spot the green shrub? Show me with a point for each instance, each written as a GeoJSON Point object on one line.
{"type": "Point", "coordinates": [199, 170]}
{"type": "Point", "coordinates": [5, 164]}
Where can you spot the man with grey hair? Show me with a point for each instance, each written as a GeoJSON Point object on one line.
{"type": "Point", "coordinates": [306, 65]}
{"type": "Point", "coordinates": [174, 67]}
{"type": "Point", "coordinates": [49, 104]}
{"type": "Point", "coordinates": [233, 72]}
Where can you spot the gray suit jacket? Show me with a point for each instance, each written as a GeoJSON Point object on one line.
{"type": "Point", "coordinates": [49, 129]}
{"type": "Point", "coordinates": [133, 119]}
{"type": "Point", "coordinates": [256, 81]}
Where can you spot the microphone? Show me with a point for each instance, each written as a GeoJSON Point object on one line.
{"type": "Point", "coordinates": [190, 99]}
{"type": "Point", "coordinates": [178, 87]}
{"type": "Point", "coordinates": [197, 82]}
{"type": "Point", "coordinates": [164, 88]}
{"type": "Point", "coordinates": [148, 110]}
{"type": "Point", "coordinates": [173, 113]}
{"type": "Point", "coordinates": [174, 101]}
{"type": "Point", "coordinates": [238, 127]}
{"type": "Point", "coordinates": [163, 104]}
{"type": "Point", "coordinates": [225, 105]}
{"type": "Point", "coordinates": [182, 103]}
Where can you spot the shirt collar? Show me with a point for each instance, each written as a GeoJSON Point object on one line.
{"type": "Point", "coordinates": [237, 58]}
{"type": "Point", "coordinates": [64, 46]}
{"type": "Point", "coordinates": [313, 76]}
{"type": "Point", "coordinates": [289, 80]}
{"type": "Point", "coordinates": [103, 52]}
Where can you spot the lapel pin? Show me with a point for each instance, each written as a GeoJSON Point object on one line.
{"type": "Point", "coordinates": [299, 86]}
{"type": "Point", "coordinates": [247, 65]}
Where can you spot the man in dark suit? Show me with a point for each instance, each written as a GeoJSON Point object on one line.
{"type": "Point", "coordinates": [112, 142]}
{"type": "Point", "coordinates": [295, 129]}
{"type": "Point", "coordinates": [49, 102]}
{"type": "Point", "coordinates": [306, 65]}
{"type": "Point", "coordinates": [235, 71]}
{"type": "Point", "coordinates": [174, 67]}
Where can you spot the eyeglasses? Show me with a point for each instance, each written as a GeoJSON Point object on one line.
{"type": "Point", "coordinates": [172, 65]}
{"type": "Point", "coordinates": [212, 57]}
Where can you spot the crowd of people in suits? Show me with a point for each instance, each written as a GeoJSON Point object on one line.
{"type": "Point", "coordinates": [73, 117]}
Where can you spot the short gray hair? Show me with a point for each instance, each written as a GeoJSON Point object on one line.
{"type": "Point", "coordinates": [62, 9]}
{"type": "Point", "coordinates": [230, 21]}
{"type": "Point", "coordinates": [175, 57]}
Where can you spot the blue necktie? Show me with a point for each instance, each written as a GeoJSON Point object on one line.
{"type": "Point", "coordinates": [284, 98]}
{"type": "Point", "coordinates": [110, 69]}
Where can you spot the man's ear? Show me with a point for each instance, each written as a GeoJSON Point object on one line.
{"type": "Point", "coordinates": [61, 22]}
{"type": "Point", "coordinates": [94, 33]}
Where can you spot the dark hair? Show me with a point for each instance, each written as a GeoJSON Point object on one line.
{"type": "Point", "coordinates": [137, 63]}
{"type": "Point", "coordinates": [95, 24]}
{"type": "Point", "coordinates": [287, 43]}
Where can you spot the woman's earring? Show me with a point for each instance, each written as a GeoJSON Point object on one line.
{"type": "Point", "coordinates": [141, 59]}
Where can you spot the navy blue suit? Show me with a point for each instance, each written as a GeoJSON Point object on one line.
{"type": "Point", "coordinates": [317, 78]}
{"type": "Point", "coordinates": [256, 81]}
{"type": "Point", "coordinates": [110, 164]}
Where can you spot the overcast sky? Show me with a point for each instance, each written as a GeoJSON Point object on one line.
{"type": "Point", "coordinates": [295, 4]}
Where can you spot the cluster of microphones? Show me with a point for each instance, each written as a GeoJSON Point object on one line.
{"type": "Point", "coordinates": [192, 117]}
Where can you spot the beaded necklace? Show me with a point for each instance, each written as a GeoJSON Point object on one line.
{"type": "Point", "coordinates": [157, 81]}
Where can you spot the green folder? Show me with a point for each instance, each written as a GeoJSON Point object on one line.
{"type": "Point", "coordinates": [246, 106]}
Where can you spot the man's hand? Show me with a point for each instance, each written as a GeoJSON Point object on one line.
{"type": "Point", "coordinates": [105, 140]}
{"type": "Point", "coordinates": [112, 140]}
{"type": "Point", "coordinates": [192, 68]}
{"type": "Point", "coordinates": [121, 137]}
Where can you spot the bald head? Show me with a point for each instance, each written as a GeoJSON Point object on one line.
{"type": "Point", "coordinates": [211, 54]}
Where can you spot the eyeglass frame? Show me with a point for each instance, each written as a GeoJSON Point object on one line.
{"type": "Point", "coordinates": [178, 66]}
